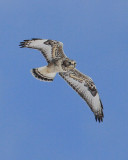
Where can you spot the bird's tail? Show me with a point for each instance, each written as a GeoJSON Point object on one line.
{"type": "Point", "coordinates": [42, 74]}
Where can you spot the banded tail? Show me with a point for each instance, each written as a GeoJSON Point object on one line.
{"type": "Point", "coordinates": [42, 74]}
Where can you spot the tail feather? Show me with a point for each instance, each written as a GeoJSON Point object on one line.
{"type": "Point", "coordinates": [42, 74]}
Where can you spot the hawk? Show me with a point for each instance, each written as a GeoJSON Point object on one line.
{"type": "Point", "coordinates": [58, 62]}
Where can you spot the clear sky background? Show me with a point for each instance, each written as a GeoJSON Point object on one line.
{"type": "Point", "coordinates": [49, 121]}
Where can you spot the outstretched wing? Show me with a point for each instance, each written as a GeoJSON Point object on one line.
{"type": "Point", "coordinates": [49, 48]}
{"type": "Point", "coordinates": [86, 88]}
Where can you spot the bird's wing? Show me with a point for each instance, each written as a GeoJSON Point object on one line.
{"type": "Point", "coordinates": [86, 88]}
{"type": "Point", "coordinates": [49, 48]}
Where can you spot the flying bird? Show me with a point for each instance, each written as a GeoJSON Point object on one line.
{"type": "Point", "coordinates": [58, 62]}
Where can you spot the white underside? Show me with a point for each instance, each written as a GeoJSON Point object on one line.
{"type": "Point", "coordinates": [45, 71]}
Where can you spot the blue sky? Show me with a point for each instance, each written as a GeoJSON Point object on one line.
{"type": "Point", "coordinates": [47, 121]}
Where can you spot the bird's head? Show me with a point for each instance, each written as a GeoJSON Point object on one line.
{"type": "Point", "coordinates": [68, 64]}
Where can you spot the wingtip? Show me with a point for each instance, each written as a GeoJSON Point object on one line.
{"type": "Point", "coordinates": [22, 44]}
{"type": "Point", "coordinates": [26, 42]}
{"type": "Point", "coordinates": [99, 118]}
